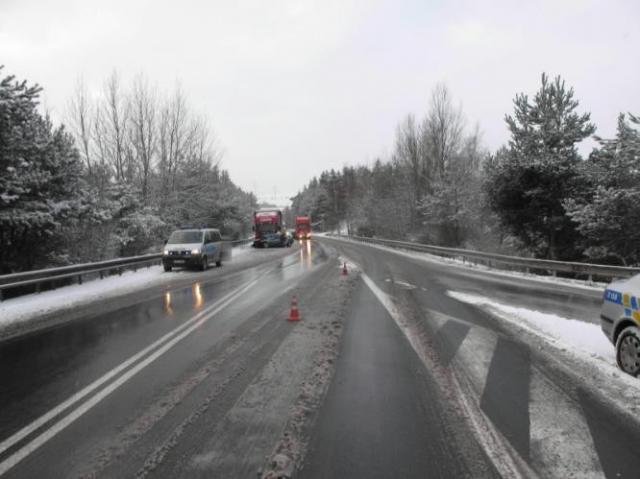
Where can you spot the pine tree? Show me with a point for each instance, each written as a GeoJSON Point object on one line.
{"type": "Point", "coordinates": [530, 181]}
{"type": "Point", "coordinates": [40, 186]}
{"type": "Point", "coordinates": [607, 218]}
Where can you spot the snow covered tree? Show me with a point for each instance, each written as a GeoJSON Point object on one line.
{"type": "Point", "coordinates": [529, 182]}
{"type": "Point", "coordinates": [40, 185]}
{"type": "Point", "coordinates": [407, 154]}
{"type": "Point", "coordinates": [606, 218]}
{"type": "Point", "coordinates": [452, 210]}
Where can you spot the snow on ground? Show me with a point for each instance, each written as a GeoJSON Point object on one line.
{"type": "Point", "coordinates": [593, 286]}
{"type": "Point", "coordinates": [316, 340]}
{"type": "Point", "coordinates": [570, 333]}
{"type": "Point", "coordinates": [30, 305]}
{"type": "Point", "coordinates": [240, 250]}
{"type": "Point", "coordinates": [573, 340]}
{"type": "Point", "coordinates": [351, 266]}
{"type": "Point", "coordinates": [25, 307]}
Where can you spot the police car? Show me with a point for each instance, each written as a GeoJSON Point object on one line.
{"type": "Point", "coordinates": [620, 321]}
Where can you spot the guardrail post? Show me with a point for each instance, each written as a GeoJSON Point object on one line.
{"type": "Point", "coordinates": [120, 271]}
{"type": "Point", "coordinates": [1, 294]}
{"type": "Point", "coordinates": [101, 274]}
{"type": "Point", "coordinates": [79, 279]}
{"type": "Point", "coordinates": [590, 280]}
{"type": "Point", "coordinates": [554, 273]}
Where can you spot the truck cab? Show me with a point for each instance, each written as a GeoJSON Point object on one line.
{"type": "Point", "coordinates": [268, 229]}
{"type": "Point", "coordinates": [303, 227]}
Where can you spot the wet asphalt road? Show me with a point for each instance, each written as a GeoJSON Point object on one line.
{"type": "Point", "coordinates": [515, 384]}
{"type": "Point", "coordinates": [41, 370]}
{"type": "Point", "coordinates": [386, 413]}
{"type": "Point", "coordinates": [383, 416]}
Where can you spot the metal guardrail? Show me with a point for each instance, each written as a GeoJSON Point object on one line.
{"type": "Point", "coordinates": [52, 275]}
{"type": "Point", "coordinates": [500, 261]}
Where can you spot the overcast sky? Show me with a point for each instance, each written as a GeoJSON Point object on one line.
{"type": "Point", "coordinates": [295, 87]}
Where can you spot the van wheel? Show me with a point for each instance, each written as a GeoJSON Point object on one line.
{"type": "Point", "coordinates": [628, 350]}
{"type": "Point", "coordinates": [204, 264]}
{"type": "Point", "coordinates": [167, 268]}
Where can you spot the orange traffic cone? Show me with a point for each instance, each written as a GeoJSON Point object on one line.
{"type": "Point", "coordinates": [344, 269]}
{"type": "Point", "coordinates": [294, 314]}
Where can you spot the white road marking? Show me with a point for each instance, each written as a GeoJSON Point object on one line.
{"type": "Point", "coordinates": [401, 283]}
{"type": "Point", "coordinates": [561, 443]}
{"type": "Point", "coordinates": [439, 319]}
{"type": "Point", "coordinates": [475, 353]}
{"type": "Point", "coordinates": [497, 449]}
{"type": "Point", "coordinates": [177, 334]}
{"type": "Point", "coordinates": [405, 284]}
{"type": "Point", "coordinates": [22, 433]}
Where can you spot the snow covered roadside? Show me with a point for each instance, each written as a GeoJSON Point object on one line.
{"type": "Point", "coordinates": [28, 306]}
{"type": "Point", "coordinates": [570, 333]}
{"type": "Point", "coordinates": [241, 250]}
{"type": "Point", "coordinates": [592, 286]}
{"type": "Point", "coordinates": [583, 342]}
{"type": "Point", "coordinates": [16, 311]}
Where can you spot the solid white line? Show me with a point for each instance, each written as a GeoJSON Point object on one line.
{"type": "Point", "coordinates": [19, 435]}
{"type": "Point", "coordinates": [191, 324]}
{"type": "Point", "coordinates": [489, 439]}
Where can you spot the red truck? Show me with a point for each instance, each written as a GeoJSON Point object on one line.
{"type": "Point", "coordinates": [303, 227]}
{"type": "Point", "coordinates": [268, 229]}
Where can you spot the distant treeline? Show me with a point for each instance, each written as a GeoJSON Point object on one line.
{"type": "Point", "coordinates": [131, 165]}
{"type": "Point", "coordinates": [534, 196]}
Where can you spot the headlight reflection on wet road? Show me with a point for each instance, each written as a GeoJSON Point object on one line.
{"type": "Point", "coordinates": [198, 298]}
{"type": "Point", "coordinates": [167, 303]}
{"type": "Point", "coordinates": [305, 254]}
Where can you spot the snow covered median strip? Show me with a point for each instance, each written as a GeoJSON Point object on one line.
{"type": "Point", "coordinates": [573, 334]}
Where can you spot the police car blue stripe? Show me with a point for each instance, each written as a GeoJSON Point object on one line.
{"type": "Point", "coordinates": [613, 296]}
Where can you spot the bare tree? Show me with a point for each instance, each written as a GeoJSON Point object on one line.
{"type": "Point", "coordinates": [115, 119]}
{"type": "Point", "coordinates": [173, 131]}
{"type": "Point", "coordinates": [201, 143]}
{"type": "Point", "coordinates": [442, 131]}
{"type": "Point", "coordinates": [407, 154]}
{"type": "Point", "coordinates": [79, 112]}
{"type": "Point", "coordinates": [143, 130]}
